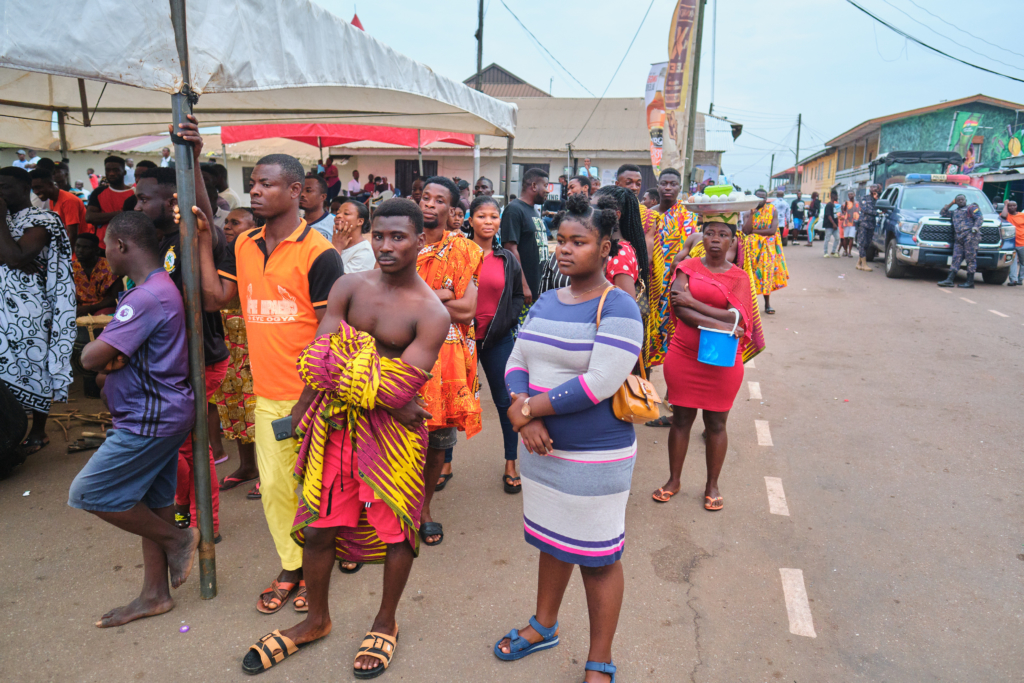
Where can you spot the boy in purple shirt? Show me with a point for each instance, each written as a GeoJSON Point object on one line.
{"type": "Point", "coordinates": [130, 480]}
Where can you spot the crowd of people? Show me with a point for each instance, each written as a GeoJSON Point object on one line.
{"type": "Point", "coordinates": [312, 380]}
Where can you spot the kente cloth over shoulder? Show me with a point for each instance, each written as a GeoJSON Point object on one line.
{"type": "Point", "coordinates": [353, 383]}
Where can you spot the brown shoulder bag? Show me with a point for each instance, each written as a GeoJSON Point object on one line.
{"type": "Point", "coordinates": [636, 400]}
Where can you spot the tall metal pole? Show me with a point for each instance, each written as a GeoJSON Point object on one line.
{"type": "Point", "coordinates": [419, 150]}
{"type": "Point", "coordinates": [688, 174]}
{"type": "Point", "coordinates": [771, 172]}
{"type": "Point", "coordinates": [796, 166]}
{"type": "Point", "coordinates": [508, 169]}
{"type": "Point", "coordinates": [479, 84]}
{"type": "Point", "coordinates": [181, 107]}
{"type": "Point", "coordinates": [63, 136]}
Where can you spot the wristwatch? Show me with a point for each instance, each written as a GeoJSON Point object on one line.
{"type": "Point", "coordinates": [526, 408]}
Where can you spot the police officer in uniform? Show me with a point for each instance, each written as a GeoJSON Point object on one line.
{"type": "Point", "coordinates": [866, 225]}
{"type": "Point", "coordinates": [967, 233]}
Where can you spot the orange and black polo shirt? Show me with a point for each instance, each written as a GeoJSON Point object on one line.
{"type": "Point", "coordinates": [280, 293]}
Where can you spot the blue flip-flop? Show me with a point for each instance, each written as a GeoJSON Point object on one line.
{"type": "Point", "coordinates": [520, 647]}
{"type": "Point", "coordinates": [601, 667]}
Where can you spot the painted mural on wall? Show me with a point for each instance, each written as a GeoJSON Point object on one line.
{"type": "Point", "coordinates": [984, 135]}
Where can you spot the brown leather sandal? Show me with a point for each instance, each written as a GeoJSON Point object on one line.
{"type": "Point", "coordinates": [299, 602]}
{"type": "Point", "coordinates": [271, 649]}
{"type": "Point", "coordinates": [280, 591]}
{"type": "Point", "coordinates": [378, 645]}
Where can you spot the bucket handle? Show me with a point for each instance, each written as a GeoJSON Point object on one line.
{"type": "Point", "coordinates": [734, 326]}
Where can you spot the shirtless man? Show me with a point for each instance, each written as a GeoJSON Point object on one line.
{"type": "Point", "coordinates": [407, 321]}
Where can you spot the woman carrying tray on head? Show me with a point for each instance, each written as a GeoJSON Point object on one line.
{"type": "Point", "coordinates": [707, 292]}
{"type": "Point", "coordinates": [765, 262]}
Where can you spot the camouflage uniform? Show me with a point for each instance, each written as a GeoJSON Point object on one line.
{"type": "Point", "coordinates": [967, 233]}
{"type": "Point", "coordinates": [866, 224]}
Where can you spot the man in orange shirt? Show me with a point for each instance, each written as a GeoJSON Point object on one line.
{"type": "Point", "coordinates": [66, 205]}
{"type": "Point", "coordinates": [282, 274]}
{"type": "Point", "coordinates": [450, 265]}
{"type": "Point", "coordinates": [1016, 219]}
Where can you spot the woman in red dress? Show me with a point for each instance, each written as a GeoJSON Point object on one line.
{"type": "Point", "coordinates": [705, 293]}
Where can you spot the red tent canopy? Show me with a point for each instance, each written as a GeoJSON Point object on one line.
{"type": "Point", "coordinates": [329, 135]}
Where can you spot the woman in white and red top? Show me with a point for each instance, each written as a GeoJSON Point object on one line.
{"type": "Point", "coordinates": [498, 303]}
{"type": "Point", "coordinates": [623, 268]}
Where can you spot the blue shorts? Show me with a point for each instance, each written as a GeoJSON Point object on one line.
{"type": "Point", "coordinates": [128, 469]}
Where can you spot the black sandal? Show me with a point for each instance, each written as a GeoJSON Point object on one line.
{"type": "Point", "coordinates": [663, 421]}
{"type": "Point", "coordinates": [509, 486]}
{"type": "Point", "coordinates": [34, 444]}
{"type": "Point", "coordinates": [769, 311]}
{"type": "Point", "coordinates": [431, 529]}
{"type": "Point", "coordinates": [343, 570]}
{"type": "Point", "coordinates": [444, 481]}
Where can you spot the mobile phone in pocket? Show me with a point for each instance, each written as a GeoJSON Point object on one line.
{"type": "Point", "coordinates": [282, 428]}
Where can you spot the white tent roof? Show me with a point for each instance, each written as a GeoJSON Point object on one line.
{"type": "Point", "coordinates": [251, 61]}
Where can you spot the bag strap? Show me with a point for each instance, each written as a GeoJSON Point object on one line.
{"type": "Point", "coordinates": [600, 306]}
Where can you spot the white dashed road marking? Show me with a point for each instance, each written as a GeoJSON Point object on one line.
{"type": "Point", "coordinates": [755, 390]}
{"type": "Point", "coordinates": [945, 291]}
{"type": "Point", "coordinates": [1001, 315]}
{"type": "Point", "coordinates": [776, 496]}
{"type": "Point", "coordinates": [964, 298]}
{"type": "Point", "coordinates": [797, 606]}
{"type": "Point", "coordinates": [764, 435]}
{"type": "Point", "coordinates": [750, 364]}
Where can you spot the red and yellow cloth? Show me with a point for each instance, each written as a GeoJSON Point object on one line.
{"type": "Point", "coordinates": [90, 288]}
{"type": "Point", "coordinates": [354, 383]}
{"type": "Point", "coordinates": [673, 227]}
{"type": "Point", "coordinates": [764, 260]}
{"type": "Point", "coordinates": [235, 400]}
{"type": "Point", "coordinates": [453, 391]}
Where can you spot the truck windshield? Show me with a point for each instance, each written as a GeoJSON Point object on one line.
{"type": "Point", "coordinates": [933, 198]}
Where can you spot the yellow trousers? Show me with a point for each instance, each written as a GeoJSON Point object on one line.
{"type": "Point", "coordinates": [278, 487]}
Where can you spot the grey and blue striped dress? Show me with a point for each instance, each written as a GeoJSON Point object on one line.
{"type": "Point", "coordinates": [574, 499]}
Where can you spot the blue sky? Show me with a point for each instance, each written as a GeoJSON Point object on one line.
{"type": "Point", "coordinates": [822, 58]}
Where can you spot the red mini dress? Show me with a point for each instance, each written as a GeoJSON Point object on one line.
{"type": "Point", "coordinates": [692, 384]}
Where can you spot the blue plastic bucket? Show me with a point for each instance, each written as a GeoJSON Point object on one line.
{"type": "Point", "coordinates": [718, 347]}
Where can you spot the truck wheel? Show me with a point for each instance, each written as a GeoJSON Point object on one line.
{"type": "Point", "coordinates": [995, 277]}
{"type": "Point", "coordinates": [893, 268]}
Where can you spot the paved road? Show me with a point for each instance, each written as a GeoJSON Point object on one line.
{"type": "Point", "coordinates": [890, 406]}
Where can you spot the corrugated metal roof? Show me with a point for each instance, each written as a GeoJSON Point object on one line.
{"type": "Point", "coordinates": [497, 81]}
{"type": "Point", "coordinates": [717, 134]}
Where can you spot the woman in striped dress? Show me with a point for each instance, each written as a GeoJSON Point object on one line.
{"type": "Point", "coordinates": [576, 459]}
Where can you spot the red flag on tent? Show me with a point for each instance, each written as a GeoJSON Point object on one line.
{"type": "Point", "coordinates": [355, 22]}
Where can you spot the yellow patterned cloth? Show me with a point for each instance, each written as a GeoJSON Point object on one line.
{"type": "Point", "coordinates": [236, 404]}
{"type": "Point", "coordinates": [353, 383]}
{"type": "Point", "coordinates": [766, 263]}
{"type": "Point", "coordinates": [674, 226]}
{"type": "Point", "coordinates": [655, 344]}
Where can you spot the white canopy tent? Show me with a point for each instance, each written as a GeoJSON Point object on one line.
{"type": "Point", "coordinates": [123, 69]}
{"type": "Point", "coordinates": [107, 72]}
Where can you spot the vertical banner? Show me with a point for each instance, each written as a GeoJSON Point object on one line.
{"type": "Point", "coordinates": [677, 80]}
{"type": "Point", "coordinates": [654, 98]}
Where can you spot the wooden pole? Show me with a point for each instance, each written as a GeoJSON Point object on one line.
{"type": "Point", "coordinates": [508, 169]}
{"type": "Point", "coordinates": [181, 107]}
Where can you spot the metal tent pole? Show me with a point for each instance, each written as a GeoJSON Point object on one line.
{"type": "Point", "coordinates": [419, 150]}
{"type": "Point", "coordinates": [508, 169]}
{"type": "Point", "coordinates": [63, 136]}
{"type": "Point", "coordinates": [479, 85]}
{"type": "Point", "coordinates": [181, 106]}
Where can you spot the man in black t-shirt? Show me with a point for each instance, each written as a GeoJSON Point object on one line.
{"type": "Point", "coordinates": [520, 224]}
{"type": "Point", "coordinates": [155, 190]}
{"type": "Point", "coordinates": [831, 220]}
{"type": "Point", "coordinates": [796, 209]}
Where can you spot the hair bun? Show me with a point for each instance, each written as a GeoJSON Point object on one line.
{"type": "Point", "coordinates": [577, 204]}
{"type": "Point", "coordinates": [605, 220]}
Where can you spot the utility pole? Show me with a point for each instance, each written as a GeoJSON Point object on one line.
{"type": "Point", "coordinates": [796, 166]}
{"type": "Point", "coordinates": [714, 43]}
{"type": "Point", "coordinates": [688, 173]}
{"type": "Point", "coordinates": [479, 85]}
{"type": "Point", "coordinates": [771, 172]}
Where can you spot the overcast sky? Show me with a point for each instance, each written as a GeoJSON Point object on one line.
{"type": "Point", "coordinates": [822, 58]}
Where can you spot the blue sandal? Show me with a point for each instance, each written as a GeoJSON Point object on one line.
{"type": "Point", "coordinates": [520, 647]}
{"type": "Point", "coordinates": [601, 667]}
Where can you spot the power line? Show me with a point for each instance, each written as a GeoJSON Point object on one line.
{"type": "Point", "coordinates": [947, 23]}
{"type": "Point", "coordinates": [942, 35]}
{"type": "Point", "coordinates": [616, 70]}
{"type": "Point", "coordinates": [929, 47]}
{"type": "Point", "coordinates": [536, 40]}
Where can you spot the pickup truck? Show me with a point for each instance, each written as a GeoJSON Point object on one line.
{"type": "Point", "coordinates": [911, 233]}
